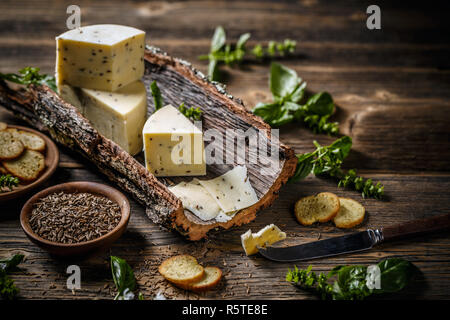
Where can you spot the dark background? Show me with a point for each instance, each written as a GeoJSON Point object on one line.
{"type": "Point", "coordinates": [391, 88]}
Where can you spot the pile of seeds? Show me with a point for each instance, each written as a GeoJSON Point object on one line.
{"type": "Point", "coordinates": [74, 217]}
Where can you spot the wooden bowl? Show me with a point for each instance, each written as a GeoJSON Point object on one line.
{"type": "Point", "coordinates": [51, 163]}
{"type": "Point", "coordinates": [77, 249]}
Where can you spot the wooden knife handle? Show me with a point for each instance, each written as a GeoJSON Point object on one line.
{"type": "Point", "coordinates": [416, 227]}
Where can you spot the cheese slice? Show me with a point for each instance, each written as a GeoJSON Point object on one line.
{"type": "Point", "coordinates": [232, 190]}
{"type": "Point", "coordinates": [103, 57]}
{"type": "Point", "coordinates": [119, 116]}
{"type": "Point", "coordinates": [266, 236]}
{"type": "Point", "coordinates": [173, 145]}
{"type": "Point", "coordinates": [197, 200]}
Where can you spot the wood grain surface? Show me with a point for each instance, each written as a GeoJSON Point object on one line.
{"type": "Point", "coordinates": [391, 87]}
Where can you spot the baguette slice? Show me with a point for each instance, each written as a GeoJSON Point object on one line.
{"type": "Point", "coordinates": [318, 208]}
{"type": "Point", "coordinates": [351, 213]}
{"type": "Point", "coordinates": [210, 279]}
{"type": "Point", "coordinates": [29, 140]}
{"type": "Point", "coordinates": [181, 270]}
{"type": "Point", "coordinates": [10, 147]}
{"type": "Point", "coordinates": [27, 167]}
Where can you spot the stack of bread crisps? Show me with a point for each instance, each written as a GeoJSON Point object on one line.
{"type": "Point", "coordinates": [99, 70]}
{"type": "Point", "coordinates": [21, 153]}
{"type": "Point", "coordinates": [326, 206]}
{"type": "Point", "coordinates": [185, 272]}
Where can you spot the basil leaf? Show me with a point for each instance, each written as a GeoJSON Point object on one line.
{"type": "Point", "coordinates": [298, 94]}
{"type": "Point", "coordinates": [341, 147]}
{"type": "Point", "coordinates": [321, 103]}
{"type": "Point", "coordinates": [283, 81]}
{"type": "Point", "coordinates": [267, 111]}
{"type": "Point", "coordinates": [213, 70]}
{"type": "Point", "coordinates": [7, 265]}
{"type": "Point", "coordinates": [218, 40]}
{"type": "Point", "coordinates": [123, 277]}
{"type": "Point", "coordinates": [351, 283]}
{"type": "Point", "coordinates": [242, 41]}
{"type": "Point", "coordinates": [157, 97]}
{"type": "Point", "coordinates": [283, 118]}
{"type": "Point", "coordinates": [395, 274]}
{"type": "Point", "coordinates": [304, 166]}
{"type": "Point", "coordinates": [30, 75]}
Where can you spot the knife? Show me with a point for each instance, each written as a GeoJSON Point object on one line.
{"type": "Point", "coordinates": [355, 242]}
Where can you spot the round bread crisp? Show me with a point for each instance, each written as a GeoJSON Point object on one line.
{"type": "Point", "coordinates": [10, 147]}
{"type": "Point", "coordinates": [181, 270]}
{"type": "Point", "coordinates": [318, 208]}
{"type": "Point", "coordinates": [351, 213]}
{"type": "Point", "coordinates": [29, 140]}
{"type": "Point", "coordinates": [210, 279]}
{"type": "Point", "coordinates": [27, 167]}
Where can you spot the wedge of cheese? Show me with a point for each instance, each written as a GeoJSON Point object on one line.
{"type": "Point", "coordinates": [119, 116]}
{"type": "Point", "coordinates": [264, 237]}
{"type": "Point", "coordinates": [173, 145]}
{"type": "Point", "coordinates": [103, 57]}
{"type": "Point", "coordinates": [232, 190]}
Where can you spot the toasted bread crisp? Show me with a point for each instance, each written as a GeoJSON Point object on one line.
{"type": "Point", "coordinates": [210, 279]}
{"type": "Point", "coordinates": [181, 270]}
{"type": "Point", "coordinates": [27, 167]}
{"type": "Point", "coordinates": [351, 213]}
{"type": "Point", "coordinates": [10, 147]}
{"type": "Point", "coordinates": [3, 126]}
{"type": "Point", "coordinates": [3, 169]}
{"type": "Point", "coordinates": [30, 140]}
{"type": "Point", "coordinates": [318, 208]}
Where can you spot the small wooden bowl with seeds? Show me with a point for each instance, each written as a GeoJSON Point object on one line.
{"type": "Point", "coordinates": [75, 218]}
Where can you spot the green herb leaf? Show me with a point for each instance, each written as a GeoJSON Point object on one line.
{"type": "Point", "coordinates": [395, 274]}
{"type": "Point", "coordinates": [123, 277]}
{"type": "Point", "coordinates": [242, 41]}
{"type": "Point", "coordinates": [30, 75]}
{"type": "Point", "coordinates": [213, 70]}
{"type": "Point", "coordinates": [321, 103]}
{"type": "Point", "coordinates": [8, 289]}
{"type": "Point", "coordinates": [191, 113]}
{"type": "Point", "coordinates": [8, 181]}
{"type": "Point", "coordinates": [10, 264]}
{"type": "Point", "coordinates": [283, 81]}
{"type": "Point", "coordinates": [218, 40]}
{"type": "Point", "coordinates": [157, 97]}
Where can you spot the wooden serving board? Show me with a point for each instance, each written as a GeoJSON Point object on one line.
{"type": "Point", "coordinates": [179, 82]}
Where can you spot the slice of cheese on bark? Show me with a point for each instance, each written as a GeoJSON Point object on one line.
{"type": "Point", "coordinates": [266, 236]}
{"type": "Point", "coordinates": [196, 199]}
{"type": "Point", "coordinates": [232, 190]}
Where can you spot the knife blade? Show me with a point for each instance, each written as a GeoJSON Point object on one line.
{"type": "Point", "coordinates": [354, 242]}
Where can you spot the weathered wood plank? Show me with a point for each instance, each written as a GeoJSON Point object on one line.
{"type": "Point", "coordinates": [144, 245]}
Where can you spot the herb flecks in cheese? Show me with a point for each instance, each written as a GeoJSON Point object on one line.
{"type": "Point", "coordinates": [103, 57]}
{"type": "Point", "coordinates": [232, 190]}
{"type": "Point", "coordinates": [173, 145]}
{"type": "Point", "coordinates": [197, 200]}
{"type": "Point", "coordinates": [264, 237]}
{"type": "Point", "coordinates": [119, 116]}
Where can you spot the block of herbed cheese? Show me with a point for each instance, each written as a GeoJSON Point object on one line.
{"type": "Point", "coordinates": [103, 57]}
{"type": "Point", "coordinates": [173, 145]}
{"type": "Point", "coordinates": [232, 190]}
{"type": "Point", "coordinates": [119, 116]}
{"type": "Point", "coordinates": [266, 236]}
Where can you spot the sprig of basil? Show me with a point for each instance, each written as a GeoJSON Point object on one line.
{"type": "Point", "coordinates": [288, 91]}
{"type": "Point", "coordinates": [157, 97]}
{"type": "Point", "coordinates": [30, 75]}
{"type": "Point", "coordinates": [351, 281]}
{"type": "Point", "coordinates": [124, 279]}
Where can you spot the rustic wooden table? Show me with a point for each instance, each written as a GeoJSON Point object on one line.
{"type": "Point", "coordinates": [391, 87]}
